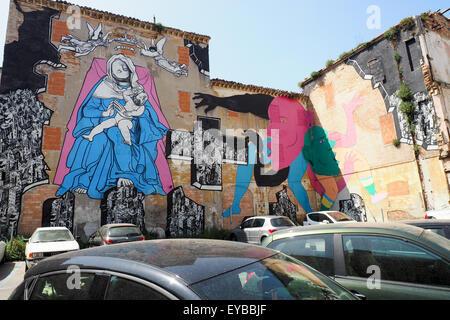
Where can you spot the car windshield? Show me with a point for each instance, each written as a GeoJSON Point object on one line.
{"type": "Point", "coordinates": [275, 278]}
{"type": "Point", "coordinates": [51, 236]}
{"type": "Point", "coordinates": [124, 232]}
{"type": "Point", "coordinates": [281, 222]}
{"type": "Point", "coordinates": [339, 216]}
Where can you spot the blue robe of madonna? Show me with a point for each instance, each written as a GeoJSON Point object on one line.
{"type": "Point", "coordinates": [96, 166]}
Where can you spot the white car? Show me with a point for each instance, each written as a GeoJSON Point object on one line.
{"type": "Point", "coordinates": [2, 252]}
{"type": "Point", "coordinates": [438, 214]}
{"type": "Point", "coordinates": [326, 217]}
{"type": "Point", "coordinates": [47, 242]}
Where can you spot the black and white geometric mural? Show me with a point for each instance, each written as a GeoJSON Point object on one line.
{"type": "Point", "coordinates": [123, 205]}
{"type": "Point", "coordinates": [22, 165]}
{"type": "Point", "coordinates": [207, 149]}
{"type": "Point", "coordinates": [284, 207]}
{"type": "Point", "coordinates": [200, 56]}
{"type": "Point", "coordinates": [184, 216]}
{"type": "Point", "coordinates": [354, 208]}
{"type": "Point", "coordinates": [59, 212]}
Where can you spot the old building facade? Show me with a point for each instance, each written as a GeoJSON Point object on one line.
{"type": "Point", "coordinates": [109, 119]}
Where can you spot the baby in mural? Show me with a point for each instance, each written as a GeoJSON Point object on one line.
{"type": "Point", "coordinates": [135, 99]}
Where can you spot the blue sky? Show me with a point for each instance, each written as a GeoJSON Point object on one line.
{"type": "Point", "coordinates": [274, 44]}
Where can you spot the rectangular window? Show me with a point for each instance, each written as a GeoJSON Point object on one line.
{"type": "Point", "coordinates": [413, 54]}
{"type": "Point", "coordinates": [316, 251]}
{"type": "Point", "coordinates": [397, 259]}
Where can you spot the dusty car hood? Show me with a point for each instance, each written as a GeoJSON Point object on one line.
{"type": "Point", "coordinates": [52, 247]}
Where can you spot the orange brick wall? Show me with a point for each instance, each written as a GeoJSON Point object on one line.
{"type": "Point", "coordinates": [183, 55]}
{"type": "Point", "coordinates": [59, 29]}
{"type": "Point", "coordinates": [52, 138]}
{"type": "Point", "coordinates": [184, 100]}
{"type": "Point", "coordinates": [56, 83]}
{"type": "Point", "coordinates": [32, 202]}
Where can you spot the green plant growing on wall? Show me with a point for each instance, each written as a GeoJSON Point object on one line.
{"type": "Point", "coordinates": [407, 24]}
{"type": "Point", "coordinates": [159, 27]}
{"type": "Point", "coordinates": [392, 34]}
{"type": "Point", "coordinates": [315, 75]}
{"type": "Point", "coordinates": [396, 143]}
{"type": "Point", "coordinates": [397, 57]}
{"type": "Point", "coordinates": [330, 63]}
{"type": "Point", "coordinates": [405, 93]}
{"type": "Point", "coordinates": [424, 17]}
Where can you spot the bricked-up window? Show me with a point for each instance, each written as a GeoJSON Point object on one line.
{"type": "Point", "coordinates": [376, 69]}
{"type": "Point", "coordinates": [413, 54]}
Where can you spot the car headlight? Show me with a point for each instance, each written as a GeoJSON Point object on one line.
{"type": "Point", "coordinates": [36, 255]}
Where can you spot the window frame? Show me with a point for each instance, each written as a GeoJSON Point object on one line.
{"type": "Point", "coordinates": [340, 260]}
{"type": "Point", "coordinates": [31, 282]}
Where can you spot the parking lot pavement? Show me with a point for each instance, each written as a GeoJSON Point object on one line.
{"type": "Point", "coordinates": [11, 275]}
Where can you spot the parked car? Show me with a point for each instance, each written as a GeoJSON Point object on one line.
{"type": "Point", "coordinates": [440, 227]}
{"type": "Point", "coordinates": [438, 214]}
{"type": "Point", "coordinates": [47, 242]}
{"type": "Point", "coordinates": [326, 217]}
{"type": "Point", "coordinates": [255, 229]}
{"type": "Point", "coordinates": [190, 269]}
{"type": "Point", "coordinates": [406, 261]}
{"type": "Point", "coordinates": [2, 252]}
{"type": "Point", "coordinates": [115, 233]}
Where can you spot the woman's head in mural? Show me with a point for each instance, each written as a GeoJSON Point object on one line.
{"type": "Point", "coordinates": [318, 151]}
{"type": "Point", "coordinates": [289, 121]}
{"type": "Point", "coordinates": [121, 69]}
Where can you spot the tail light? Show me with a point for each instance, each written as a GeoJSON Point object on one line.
{"type": "Point", "coordinates": [426, 216]}
{"type": "Point", "coordinates": [107, 241]}
{"type": "Point", "coordinates": [272, 231]}
{"type": "Point", "coordinates": [143, 238]}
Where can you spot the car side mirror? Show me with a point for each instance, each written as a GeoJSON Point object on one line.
{"type": "Point", "coordinates": [325, 222]}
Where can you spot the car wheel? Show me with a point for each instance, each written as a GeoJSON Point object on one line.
{"type": "Point", "coordinates": [233, 237]}
{"type": "Point", "coordinates": [262, 239]}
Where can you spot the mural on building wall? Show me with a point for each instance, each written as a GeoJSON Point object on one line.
{"type": "Point", "coordinates": [184, 216]}
{"type": "Point", "coordinates": [206, 149]}
{"type": "Point", "coordinates": [200, 56]}
{"type": "Point", "coordinates": [155, 51]}
{"type": "Point", "coordinates": [284, 206]}
{"type": "Point", "coordinates": [116, 133]}
{"type": "Point", "coordinates": [354, 208]}
{"type": "Point", "coordinates": [59, 212]}
{"type": "Point", "coordinates": [123, 205]}
{"type": "Point", "coordinates": [96, 38]}
{"type": "Point", "coordinates": [289, 121]}
{"type": "Point", "coordinates": [22, 164]}
{"type": "Point", "coordinates": [301, 148]}
{"type": "Point", "coordinates": [319, 143]}
{"type": "Point", "coordinates": [33, 47]}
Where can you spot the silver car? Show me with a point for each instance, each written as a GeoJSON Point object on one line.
{"type": "Point", "coordinates": [256, 229]}
{"type": "Point", "coordinates": [326, 217]}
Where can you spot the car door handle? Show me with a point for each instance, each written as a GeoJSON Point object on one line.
{"type": "Point", "coordinates": [358, 295]}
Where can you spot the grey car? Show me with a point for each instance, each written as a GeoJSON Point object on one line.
{"type": "Point", "coordinates": [115, 233]}
{"type": "Point", "coordinates": [186, 269]}
{"type": "Point", "coordinates": [440, 227]}
{"type": "Point", "coordinates": [256, 229]}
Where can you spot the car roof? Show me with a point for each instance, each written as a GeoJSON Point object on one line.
{"type": "Point", "coordinates": [410, 232]}
{"type": "Point", "coordinates": [118, 225]}
{"type": "Point", "coordinates": [268, 217]}
{"type": "Point", "coordinates": [192, 260]}
{"type": "Point", "coordinates": [51, 228]}
{"type": "Point", "coordinates": [427, 222]}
